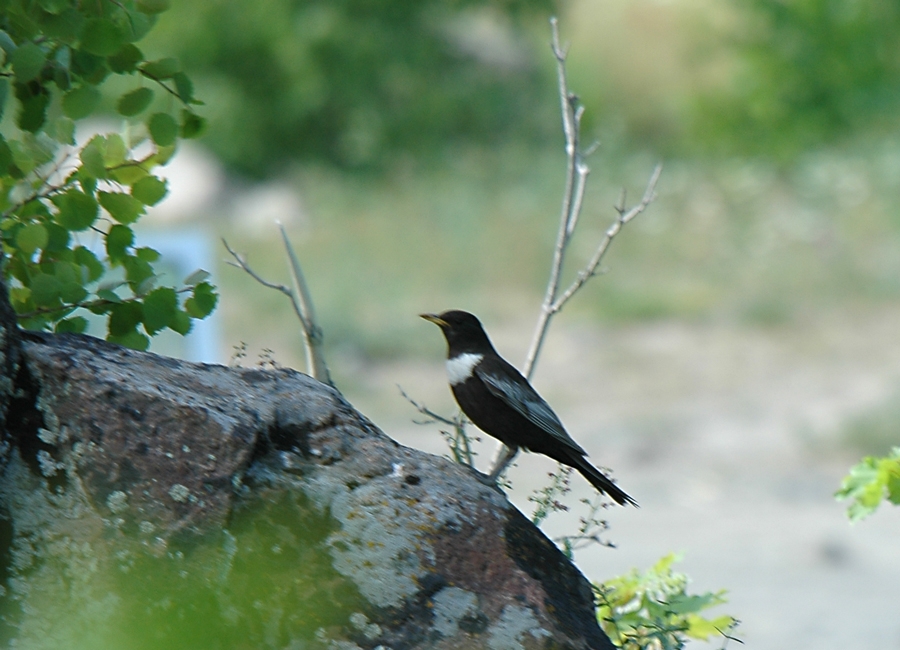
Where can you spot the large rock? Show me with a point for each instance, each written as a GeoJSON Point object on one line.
{"type": "Point", "coordinates": [153, 503]}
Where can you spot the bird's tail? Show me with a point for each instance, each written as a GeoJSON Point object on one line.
{"type": "Point", "coordinates": [601, 481]}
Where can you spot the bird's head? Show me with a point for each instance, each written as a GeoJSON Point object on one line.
{"type": "Point", "coordinates": [462, 330]}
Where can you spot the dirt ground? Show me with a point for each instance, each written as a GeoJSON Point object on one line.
{"type": "Point", "coordinates": [728, 438]}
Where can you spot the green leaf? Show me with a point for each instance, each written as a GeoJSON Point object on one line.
{"type": "Point", "coordinates": [6, 156]}
{"type": "Point", "coordinates": [162, 156]}
{"type": "Point", "coordinates": [126, 59]}
{"type": "Point", "coordinates": [152, 6]}
{"type": "Point", "coordinates": [66, 272]}
{"type": "Point", "coordinates": [124, 208]}
{"type": "Point", "coordinates": [6, 43]}
{"type": "Point", "coordinates": [77, 210]}
{"type": "Point", "coordinates": [149, 190]}
{"type": "Point", "coordinates": [116, 151]}
{"type": "Point", "coordinates": [108, 295]}
{"type": "Point", "coordinates": [33, 100]}
{"type": "Point", "coordinates": [101, 37]}
{"type": "Point", "coordinates": [90, 67]}
{"type": "Point", "coordinates": [124, 318]}
{"type": "Point", "coordinates": [118, 240]}
{"type": "Point", "coordinates": [30, 153]}
{"type": "Point", "coordinates": [691, 604]}
{"type": "Point", "coordinates": [4, 93]}
{"type": "Point", "coordinates": [31, 237]}
{"type": "Point", "coordinates": [163, 129]}
{"type": "Point", "coordinates": [72, 293]}
{"type": "Point", "coordinates": [893, 488]}
{"type": "Point", "coordinates": [870, 481]}
{"type": "Point", "coordinates": [137, 271]}
{"type": "Point", "coordinates": [192, 125]}
{"type": "Point", "coordinates": [80, 102]}
{"type": "Point", "coordinates": [57, 238]}
{"type": "Point", "coordinates": [160, 306]}
{"type": "Point", "coordinates": [45, 290]}
{"type": "Point", "coordinates": [86, 259]}
{"type": "Point", "coordinates": [134, 102]}
{"type": "Point", "coordinates": [161, 69]}
{"type": "Point", "coordinates": [28, 61]}
{"type": "Point", "coordinates": [136, 24]}
{"type": "Point", "coordinates": [21, 297]}
{"type": "Point", "coordinates": [133, 339]}
{"type": "Point", "coordinates": [147, 254]}
{"type": "Point", "coordinates": [76, 325]}
{"type": "Point", "coordinates": [64, 26]}
{"type": "Point", "coordinates": [93, 157]}
{"type": "Point", "coordinates": [63, 131]}
{"type": "Point", "coordinates": [181, 322]}
{"type": "Point", "coordinates": [128, 174]}
{"type": "Point", "coordinates": [184, 87]}
{"type": "Point", "coordinates": [53, 6]}
{"type": "Point", "coordinates": [203, 301]}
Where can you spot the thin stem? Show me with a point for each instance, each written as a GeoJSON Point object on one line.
{"type": "Point", "coordinates": [573, 194]}
{"type": "Point", "coordinates": [313, 336]}
{"type": "Point", "coordinates": [458, 440]}
{"type": "Point", "coordinates": [315, 360]}
{"type": "Point", "coordinates": [624, 217]}
{"type": "Point", "coordinates": [573, 201]}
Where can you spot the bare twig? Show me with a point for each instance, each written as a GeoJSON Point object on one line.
{"type": "Point", "coordinates": [240, 263]}
{"type": "Point", "coordinates": [577, 172]}
{"type": "Point", "coordinates": [625, 216]}
{"type": "Point", "coordinates": [573, 195]}
{"type": "Point", "coordinates": [590, 528]}
{"type": "Point", "coordinates": [302, 304]}
{"type": "Point", "coordinates": [424, 410]}
{"type": "Point", "coordinates": [458, 440]}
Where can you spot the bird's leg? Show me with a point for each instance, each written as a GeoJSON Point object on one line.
{"type": "Point", "coordinates": [503, 458]}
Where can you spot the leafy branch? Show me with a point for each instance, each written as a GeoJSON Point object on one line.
{"type": "Point", "coordinates": [870, 482]}
{"type": "Point", "coordinates": [653, 610]}
{"type": "Point", "coordinates": [106, 188]}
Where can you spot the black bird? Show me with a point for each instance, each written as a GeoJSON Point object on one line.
{"type": "Point", "coordinates": [501, 402]}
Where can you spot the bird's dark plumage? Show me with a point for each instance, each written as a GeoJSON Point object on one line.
{"type": "Point", "coordinates": [501, 402]}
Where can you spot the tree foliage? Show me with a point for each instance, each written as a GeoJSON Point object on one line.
{"type": "Point", "coordinates": [355, 82]}
{"type": "Point", "coordinates": [68, 211]}
{"type": "Point", "coordinates": [653, 610]}
{"type": "Point", "coordinates": [811, 73]}
{"type": "Point", "coordinates": [870, 482]}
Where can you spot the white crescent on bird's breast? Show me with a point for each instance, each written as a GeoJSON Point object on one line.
{"type": "Point", "coordinates": [459, 368]}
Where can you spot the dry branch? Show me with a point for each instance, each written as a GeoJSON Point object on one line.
{"type": "Point", "coordinates": [577, 172]}
{"type": "Point", "coordinates": [301, 301]}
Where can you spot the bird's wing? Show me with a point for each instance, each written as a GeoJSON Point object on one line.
{"type": "Point", "coordinates": [525, 400]}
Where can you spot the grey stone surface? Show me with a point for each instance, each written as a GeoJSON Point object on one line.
{"type": "Point", "coordinates": [157, 503]}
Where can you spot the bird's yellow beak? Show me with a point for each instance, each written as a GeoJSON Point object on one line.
{"type": "Point", "coordinates": [434, 319]}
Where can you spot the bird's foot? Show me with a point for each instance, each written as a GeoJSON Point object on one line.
{"type": "Point", "coordinates": [486, 479]}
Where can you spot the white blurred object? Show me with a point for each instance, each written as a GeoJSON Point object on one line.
{"type": "Point", "coordinates": [196, 182]}
{"type": "Point", "coordinates": [259, 207]}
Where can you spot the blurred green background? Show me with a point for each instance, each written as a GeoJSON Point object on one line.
{"type": "Point", "coordinates": [423, 145]}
